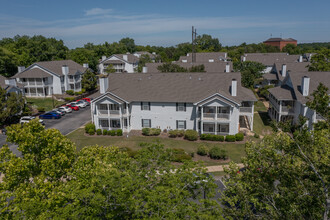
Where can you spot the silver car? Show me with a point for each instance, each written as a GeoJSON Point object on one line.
{"type": "Point", "coordinates": [66, 109]}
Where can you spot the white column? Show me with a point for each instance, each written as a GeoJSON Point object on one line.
{"type": "Point", "coordinates": [196, 118]}
{"type": "Point", "coordinates": [202, 117]}
{"type": "Point", "coordinates": [108, 105]}
{"type": "Point", "coordinates": [215, 128]}
{"type": "Point", "coordinates": [252, 116]}
{"type": "Point", "coordinates": [120, 115]}
{"type": "Point", "coordinates": [127, 115]}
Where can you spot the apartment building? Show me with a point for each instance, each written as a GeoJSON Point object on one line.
{"type": "Point", "coordinates": [43, 79]}
{"type": "Point", "coordinates": [10, 85]}
{"type": "Point", "coordinates": [213, 103]}
{"type": "Point", "coordinates": [121, 63]}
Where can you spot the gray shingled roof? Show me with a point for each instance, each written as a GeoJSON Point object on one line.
{"type": "Point", "coordinates": [176, 87]}
{"type": "Point", "coordinates": [287, 93]}
{"type": "Point", "coordinates": [2, 82]}
{"type": "Point", "coordinates": [269, 59]}
{"type": "Point", "coordinates": [215, 67]}
{"type": "Point", "coordinates": [52, 66]}
{"type": "Point", "coordinates": [204, 57]}
{"type": "Point", "coordinates": [292, 67]}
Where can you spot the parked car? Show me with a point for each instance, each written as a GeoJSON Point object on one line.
{"type": "Point", "coordinates": [62, 113]}
{"type": "Point", "coordinates": [26, 119]}
{"type": "Point", "coordinates": [85, 101]}
{"type": "Point", "coordinates": [50, 115]}
{"type": "Point", "coordinates": [73, 107]}
{"type": "Point", "coordinates": [66, 109]}
{"type": "Point", "coordinates": [81, 104]}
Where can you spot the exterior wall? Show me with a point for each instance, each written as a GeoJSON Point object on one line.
{"type": "Point", "coordinates": [280, 44]}
{"type": "Point", "coordinates": [57, 87]}
{"type": "Point", "coordinates": [162, 115]}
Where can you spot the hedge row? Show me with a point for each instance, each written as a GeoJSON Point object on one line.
{"type": "Point", "coordinates": [90, 129]}
{"type": "Point", "coordinates": [228, 138]}
{"type": "Point", "coordinates": [215, 153]}
{"type": "Point", "coordinates": [176, 133]}
{"type": "Point", "coordinates": [151, 131]}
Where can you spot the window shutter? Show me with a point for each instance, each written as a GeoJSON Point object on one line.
{"type": "Point", "coordinates": [177, 109]}
{"type": "Point", "coordinates": [185, 106]}
{"type": "Point", "coordinates": [142, 123]}
{"type": "Point", "coordinates": [185, 125]}
{"type": "Point", "coordinates": [141, 105]}
{"type": "Point", "coordinates": [177, 124]}
{"type": "Point", "coordinates": [150, 122]}
{"type": "Point", "coordinates": [149, 107]}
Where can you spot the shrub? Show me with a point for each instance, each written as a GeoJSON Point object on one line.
{"type": "Point", "coordinates": [143, 144]}
{"type": "Point", "coordinates": [202, 150]}
{"type": "Point", "coordinates": [151, 131]}
{"type": "Point", "coordinates": [105, 132]}
{"type": "Point", "coordinates": [256, 135]}
{"type": "Point", "coordinates": [146, 131]}
{"type": "Point", "coordinates": [217, 153]}
{"type": "Point", "coordinates": [173, 133]}
{"type": "Point", "coordinates": [41, 109]}
{"type": "Point", "coordinates": [155, 131]}
{"type": "Point", "coordinates": [89, 126]}
{"type": "Point", "coordinates": [77, 93]}
{"type": "Point", "coordinates": [211, 137]}
{"type": "Point", "coordinates": [230, 138]}
{"type": "Point", "coordinates": [218, 138]}
{"type": "Point", "coordinates": [83, 90]}
{"type": "Point", "coordinates": [69, 92]}
{"type": "Point", "coordinates": [69, 99]}
{"type": "Point", "coordinates": [91, 131]}
{"type": "Point", "coordinates": [191, 135]}
{"type": "Point", "coordinates": [192, 154]}
{"type": "Point", "coordinates": [119, 132]}
{"type": "Point", "coordinates": [179, 155]}
{"type": "Point", "coordinates": [98, 131]}
{"type": "Point", "coordinates": [203, 137]}
{"type": "Point", "coordinates": [180, 133]}
{"type": "Point", "coordinates": [239, 136]}
{"type": "Point", "coordinates": [113, 132]}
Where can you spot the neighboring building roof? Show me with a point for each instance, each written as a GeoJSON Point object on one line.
{"type": "Point", "coordinates": [276, 39]}
{"type": "Point", "coordinates": [114, 62]}
{"type": "Point", "coordinates": [270, 76]}
{"type": "Point", "coordinates": [268, 59]}
{"type": "Point", "coordinates": [8, 87]}
{"type": "Point", "coordinates": [205, 57]}
{"type": "Point", "coordinates": [287, 93]}
{"type": "Point", "coordinates": [291, 67]}
{"type": "Point", "coordinates": [215, 67]}
{"type": "Point", "coordinates": [52, 66]}
{"type": "Point", "coordinates": [176, 87]}
{"type": "Point", "coordinates": [2, 82]}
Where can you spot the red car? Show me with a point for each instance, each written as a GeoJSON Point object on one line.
{"type": "Point", "coordinates": [87, 99]}
{"type": "Point", "coordinates": [75, 108]}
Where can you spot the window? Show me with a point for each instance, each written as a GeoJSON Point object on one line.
{"type": "Point", "coordinates": [104, 123]}
{"type": "Point", "coordinates": [223, 128]}
{"type": "Point", "coordinates": [146, 123]}
{"type": "Point", "coordinates": [180, 107]}
{"type": "Point", "coordinates": [180, 124]}
{"type": "Point", "coordinates": [114, 107]}
{"type": "Point", "coordinates": [145, 106]}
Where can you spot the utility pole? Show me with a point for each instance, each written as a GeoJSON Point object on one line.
{"type": "Point", "coordinates": [193, 39]}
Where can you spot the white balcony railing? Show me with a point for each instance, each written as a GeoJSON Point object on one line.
{"type": "Point", "coordinates": [245, 109]}
{"type": "Point", "coordinates": [114, 112]}
{"type": "Point", "coordinates": [287, 109]}
{"type": "Point", "coordinates": [223, 116]}
{"type": "Point", "coordinates": [103, 112]}
{"type": "Point", "coordinates": [218, 116]}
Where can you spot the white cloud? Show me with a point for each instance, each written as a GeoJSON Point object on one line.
{"type": "Point", "coordinates": [98, 11]}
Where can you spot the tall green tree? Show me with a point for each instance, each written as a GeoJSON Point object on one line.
{"type": "Point", "coordinates": [89, 81]}
{"type": "Point", "coordinates": [11, 104]}
{"type": "Point", "coordinates": [320, 61]}
{"type": "Point", "coordinates": [129, 44]}
{"type": "Point", "coordinates": [205, 43]}
{"type": "Point", "coordinates": [145, 58]}
{"type": "Point", "coordinates": [82, 55]}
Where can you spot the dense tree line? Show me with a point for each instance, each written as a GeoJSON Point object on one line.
{"type": "Point", "coordinates": [25, 50]}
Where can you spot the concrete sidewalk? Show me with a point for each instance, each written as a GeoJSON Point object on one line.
{"type": "Point", "coordinates": [219, 168]}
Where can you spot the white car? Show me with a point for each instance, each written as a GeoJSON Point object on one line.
{"type": "Point", "coordinates": [26, 119]}
{"type": "Point", "coordinates": [66, 109]}
{"type": "Point", "coordinates": [80, 104]}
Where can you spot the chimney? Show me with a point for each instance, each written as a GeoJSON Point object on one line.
{"type": "Point", "coordinates": [144, 69]}
{"type": "Point", "coordinates": [20, 69]}
{"type": "Point", "coordinates": [305, 85]}
{"type": "Point", "coordinates": [225, 55]}
{"type": "Point", "coordinates": [103, 58]}
{"type": "Point", "coordinates": [104, 84]}
{"type": "Point", "coordinates": [85, 65]}
{"type": "Point", "coordinates": [125, 57]}
{"type": "Point", "coordinates": [233, 87]}
{"type": "Point", "coordinates": [227, 68]}
{"type": "Point", "coordinates": [284, 70]}
{"type": "Point", "coordinates": [244, 58]}
{"type": "Point", "coordinates": [65, 72]}
{"type": "Point", "coordinates": [300, 59]}
{"type": "Point", "coordinates": [153, 53]}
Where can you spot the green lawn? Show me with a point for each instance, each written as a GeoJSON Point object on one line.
{"type": "Point", "coordinates": [261, 123]}
{"type": "Point", "coordinates": [235, 151]}
{"type": "Point", "coordinates": [259, 106]}
{"type": "Point", "coordinates": [46, 103]}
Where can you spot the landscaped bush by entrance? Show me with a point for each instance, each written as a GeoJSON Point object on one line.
{"type": "Point", "coordinates": [239, 136]}
{"type": "Point", "coordinates": [191, 135]}
{"type": "Point", "coordinates": [212, 137]}
{"type": "Point", "coordinates": [91, 131]}
{"type": "Point", "coordinates": [98, 131]}
{"type": "Point", "coordinates": [89, 126]}
{"type": "Point", "coordinates": [176, 133]}
{"type": "Point", "coordinates": [113, 132]}
{"type": "Point", "coordinates": [218, 153]}
{"type": "Point", "coordinates": [202, 150]}
{"type": "Point", "coordinates": [119, 132]}
{"type": "Point", "coordinates": [105, 132]}
{"type": "Point", "coordinates": [230, 138]}
{"type": "Point", "coordinates": [151, 131]}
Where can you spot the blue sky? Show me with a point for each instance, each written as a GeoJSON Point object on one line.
{"type": "Point", "coordinates": [166, 23]}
